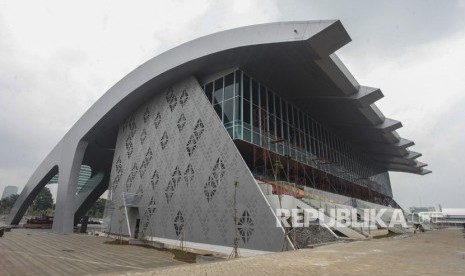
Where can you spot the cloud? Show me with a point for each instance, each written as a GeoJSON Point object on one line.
{"type": "Point", "coordinates": [386, 27]}
{"type": "Point", "coordinates": [58, 58]}
{"type": "Point", "coordinates": [424, 90]}
{"type": "Point", "coordinates": [413, 51]}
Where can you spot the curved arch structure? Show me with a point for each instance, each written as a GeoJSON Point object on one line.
{"type": "Point", "coordinates": [296, 59]}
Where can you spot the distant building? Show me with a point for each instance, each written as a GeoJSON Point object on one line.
{"type": "Point", "coordinates": [421, 214]}
{"type": "Point", "coordinates": [450, 217]}
{"type": "Point", "coordinates": [416, 210]}
{"type": "Point", "coordinates": [445, 217]}
{"type": "Point", "coordinates": [9, 190]}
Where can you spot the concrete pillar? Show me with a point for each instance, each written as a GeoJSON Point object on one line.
{"type": "Point", "coordinates": [70, 166]}
{"type": "Point", "coordinates": [41, 176]}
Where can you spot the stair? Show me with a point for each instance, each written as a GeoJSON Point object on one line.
{"type": "Point", "coordinates": [299, 199]}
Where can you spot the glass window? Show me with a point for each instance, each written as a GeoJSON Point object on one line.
{"type": "Point", "coordinates": [279, 133]}
{"type": "Point", "coordinates": [241, 103]}
{"type": "Point", "coordinates": [246, 112]}
{"type": "Point", "coordinates": [317, 148]}
{"type": "Point", "coordinates": [289, 115]}
{"type": "Point", "coordinates": [307, 143]}
{"type": "Point", "coordinates": [301, 120]}
{"type": "Point", "coordinates": [256, 116]}
{"type": "Point", "coordinates": [271, 126]}
{"type": "Point", "coordinates": [296, 139]}
{"type": "Point", "coordinates": [218, 111]}
{"type": "Point", "coordinates": [229, 86]}
{"type": "Point", "coordinates": [280, 148]}
{"type": "Point", "coordinates": [291, 135]}
{"type": "Point", "coordinates": [308, 133]}
{"type": "Point", "coordinates": [284, 110]}
{"type": "Point", "coordinates": [218, 94]}
{"type": "Point", "coordinates": [262, 97]}
{"type": "Point", "coordinates": [246, 87]}
{"type": "Point", "coordinates": [271, 146]}
{"type": "Point", "coordinates": [314, 145]}
{"type": "Point", "coordinates": [320, 133]}
{"type": "Point", "coordinates": [247, 135]}
{"type": "Point", "coordinates": [255, 94]}
{"type": "Point", "coordinates": [256, 138]}
{"type": "Point", "coordinates": [305, 125]}
{"type": "Point", "coordinates": [296, 118]}
{"type": "Point", "coordinates": [278, 106]}
{"type": "Point", "coordinates": [228, 111]}
{"type": "Point", "coordinates": [237, 86]}
{"type": "Point", "coordinates": [270, 102]}
{"type": "Point", "coordinates": [237, 132]}
{"type": "Point", "coordinates": [209, 91]}
{"type": "Point", "coordinates": [292, 152]}
{"type": "Point", "coordinates": [237, 110]}
{"type": "Point", "coordinates": [312, 128]}
{"type": "Point", "coordinates": [285, 131]}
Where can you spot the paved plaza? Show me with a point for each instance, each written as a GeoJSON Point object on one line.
{"type": "Point", "coordinates": [41, 253]}
{"type": "Point", "coordinates": [432, 253]}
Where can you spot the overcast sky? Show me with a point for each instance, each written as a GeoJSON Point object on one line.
{"type": "Point", "coordinates": [57, 59]}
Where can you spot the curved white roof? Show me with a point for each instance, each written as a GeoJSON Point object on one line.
{"type": "Point", "coordinates": [295, 59]}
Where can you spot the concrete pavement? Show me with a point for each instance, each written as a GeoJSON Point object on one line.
{"type": "Point", "coordinates": [440, 252]}
{"type": "Point", "coordinates": [26, 252]}
{"type": "Point", "coordinates": [39, 252]}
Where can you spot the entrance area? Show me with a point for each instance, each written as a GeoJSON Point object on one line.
{"type": "Point", "coordinates": [134, 221]}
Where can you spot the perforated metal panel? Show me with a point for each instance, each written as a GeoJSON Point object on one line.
{"type": "Point", "coordinates": [175, 152]}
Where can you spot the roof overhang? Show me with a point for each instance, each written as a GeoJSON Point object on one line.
{"type": "Point", "coordinates": [295, 59]}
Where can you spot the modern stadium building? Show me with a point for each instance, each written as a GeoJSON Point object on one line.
{"type": "Point", "coordinates": [205, 141]}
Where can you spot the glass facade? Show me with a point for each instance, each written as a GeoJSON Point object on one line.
{"type": "Point", "coordinates": [253, 113]}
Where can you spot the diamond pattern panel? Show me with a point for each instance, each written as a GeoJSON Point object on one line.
{"type": "Point", "coordinates": [176, 152]}
{"type": "Point", "coordinates": [181, 122]}
{"type": "Point", "coordinates": [179, 223]}
{"type": "Point", "coordinates": [245, 226]}
{"type": "Point", "coordinates": [184, 97]}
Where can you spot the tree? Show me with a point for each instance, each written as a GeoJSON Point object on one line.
{"type": "Point", "coordinates": [96, 211]}
{"type": "Point", "coordinates": [7, 203]}
{"type": "Point", "coordinates": [43, 202]}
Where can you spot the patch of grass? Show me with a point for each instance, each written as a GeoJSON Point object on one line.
{"type": "Point", "coordinates": [117, 242]}
{"type": "Point", "coordinates": [183, 256]}
{"type": "Point", "coordinates": [178, 254]}
{"type": "Point", "coordinates": [388, 235]}
{"type": "Point", "coordinates": [146, 246]}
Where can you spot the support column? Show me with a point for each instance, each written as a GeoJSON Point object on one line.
{"type": "Point", "coordinates": [85, 200]}
{"type": "Point", "coordinates": [36, 183]}
{"type": "Point", "coordinates": [70, 166]}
